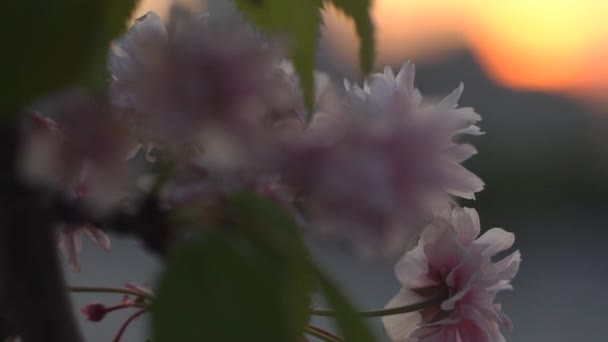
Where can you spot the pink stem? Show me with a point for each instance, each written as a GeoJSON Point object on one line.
{"type": "Point", "coordinates": [126, 324]}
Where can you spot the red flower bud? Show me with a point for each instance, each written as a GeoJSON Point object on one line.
{"type": "Point", "coordinates": [95, 312]}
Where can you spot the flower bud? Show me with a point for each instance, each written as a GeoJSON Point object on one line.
{"type": "Point", "coordinates": [95, 312]}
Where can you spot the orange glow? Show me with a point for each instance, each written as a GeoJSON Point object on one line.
{"type": "Point", "coordinates": [556, 45]}
{"type": "Point", "coordinates": [530, 44]}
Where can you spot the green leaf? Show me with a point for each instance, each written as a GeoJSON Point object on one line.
{"type": "Point", "coordinates": [299, 20]}
{"type": "Point", "coordinates": [359, 11]}
{"type": "Point", "coordinates": [351, 324]}
{"type": "Point", "coordinates": [51, 44]}
{"type": "Point", "coordinates": [247, 281]}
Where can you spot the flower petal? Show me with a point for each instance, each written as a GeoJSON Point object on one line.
{"type": "Point", "coordinates": [494, 241]}
{"type": "Point", "coordinates": [462, 182]}
{"type": "Point", "coordinates": [412, 268]}
{"type": "Point", "coordinates": [405, 77]}
{"type": "Point", "coordinates": [70, 244]}
{"type": "Point", "coordinates": [451, 101]}
{"type": "Point", "coordinates": [466, 223]}
{"type": "Point", "coordinates": [98, 237]}
{"type": "Point", "coordinates": [399, 327]}
{"type": "Point", "coordinates": [459, 152]}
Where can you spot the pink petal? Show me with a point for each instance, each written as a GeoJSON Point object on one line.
{"type": "Point", "coordinates": [98, 237]}
{"type": "Point", "coordinates": [463, 290]}
{"type": "Point", "coordinates": [466, 113]}
{"type": "Point", "coordinates": [460, 152]}
{"type": "Point", "coordinates": [469, 330]}
{"type": "Point", "coordinates": [405, 77]}
{"type": "Point", "coordinates": [494, 241]}
{"type": "Point", "coordinates": [470, 130]}
{"type": "Point", "coordinates": [462, 182]}
{"type": "Point", "coordinates": [379, 90]}
{"type": "Point", "coordinates": [411, 270]}
{"type": "Point", "coordinates": [503, 271]}
{"type": "Point", "coordinates": [451, 101]}
{"type": "Point", "coordinates": [399, 327]}
{"type": "Point", "coordinates": [131, 153]}
{"type": "Point", "coordinates": [509, 266]}
{"type": "Point", "coordinates": [466, 224]}
{"type": "Point", "coordinates": [446, 251]}
{"type": "Point", "coordinates": [70, 244]}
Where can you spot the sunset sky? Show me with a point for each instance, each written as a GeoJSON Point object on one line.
{"type": "Point", "coordinates": [557, 45]}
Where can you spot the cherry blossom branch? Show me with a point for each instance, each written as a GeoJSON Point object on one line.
{"type": "Point", "coordinates": [123, 328]}
{"type": "Point", "coordinates": [33, 300]}
{"type": "Point", "coordinates": [149, 221]}
{"type": "Point", "coordinates": [383, 312]}
{"type": "Point", "coordinates": [322, 334]}
{"type": "Point", "coordinates": [97, 289]}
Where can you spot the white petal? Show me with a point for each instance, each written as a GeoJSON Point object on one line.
{"type": "Point", "coordinates": [399, 327]}
{"type": "Point", "coordinates": [98, 237]}
{"type": "Point", "coordinates": [466, 113]}
{"type": "Point", "coordinates": [451, 101]}
{"type": "Point", "coordinates": [459, 152]}
{"type": "Point", "coordinates": [347, 85]}
{"type": "Point", "coordinates": [405, 77]}
{"type": "Point", "coordinates": [450, 303]}
{"type": "Point", "coordinates": [494, 241]}
{"type": "Point", "coordinates": [470, 130]}
{"type": "Point", "coordinates": [379, 91]}
{"type": "Point", "coordinates": [133, 151]}
{"type": "Point", "coordinates": [462, 182]}
{"type": "Point", "coordinates": [389, 76]}
{"type": "Point", "coordinates": [466, 224]}
{"type": "Point", "coordinates": [416, 97]}
{"type": "Point", "coordinates": [411, 270]}
{"type": "Point", "coordinates": [474, 218]}
{"type": "Point", "coordinates": [322, 82]}
{"type": "Point", "coordinates": [70, 245]}
{"type": "Point", "coordinates": [507, 268]}
{"type": "Point", "coordinates": [149, 156]}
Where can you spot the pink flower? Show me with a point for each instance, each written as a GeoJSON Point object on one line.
{"type": "Point", "coordinates": [70, 242]}
{"type": "Point", "coordinates": [387, 94]}
{"type": "Point", "coordinates": [372, 178]}
{"type": "Point", "coordinates": [453, 265]}
{"type": "Point", "coordinates": [190, 83]}
{"type": "Point", "coordinates": [81, 141]}
{"type": "Point", "coordinates": [70, 237]}
{"type": "Point", "coordinates": [95, 312]}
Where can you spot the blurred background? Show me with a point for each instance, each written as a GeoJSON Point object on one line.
{"type": "Point", "coordinates": [535, 71]}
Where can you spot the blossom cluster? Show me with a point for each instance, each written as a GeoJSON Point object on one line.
{"type": "Point", "coordinates": [375, 166]}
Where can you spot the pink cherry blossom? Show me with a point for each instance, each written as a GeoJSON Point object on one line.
{"type": "Point", "coordinates": [70, 242]}
{"type": "Point", "coordinates": [81, 141]}
{"type": "Point", "coordinates": [386, 93]}
{"type": "Point", "coordinates": [80, 154]}
{"type": "Point", "coordinates": [192, 84]}
{"type": "Point", "coordinates": [70, 236]}
{"type": "Point", "coordinates": [454, 266]}
{"type": "Point", "coordinates": [371, 172]}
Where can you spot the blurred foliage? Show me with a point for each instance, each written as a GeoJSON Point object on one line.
{"type": "Point", "coordinates": [352, 326]}
{"type": "Point", "coordinates": [359, 11]}
{"type": "Point", "coordinates": [49, 44]}
{"type": "Point", "coordinates": [300, 21]}
{"type": "Point", "coordinates": [249, 280]}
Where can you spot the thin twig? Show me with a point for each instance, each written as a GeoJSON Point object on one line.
{"type": "Point", "coordinates": [322, 334]}
{"type": "Point", "coordinates": [382, 312]}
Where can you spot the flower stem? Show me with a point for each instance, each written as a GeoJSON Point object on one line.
{"type": "Point", "coordinates": [322, 334]}
{"type": "Point", "coordinates": [123, 328]}
{"type": "Point", "coordinates": [382, 312]}
{"type": "Point", "coordinates": [96, 289]}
